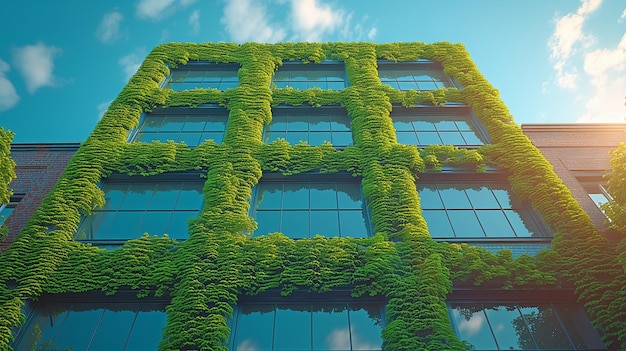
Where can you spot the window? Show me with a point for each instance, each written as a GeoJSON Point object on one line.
{"type": "Point", "coordinates": [93, 326]}
{"type": "Point", "coordinates": [524, 326]}
{"type": "Point", "coordinates": [7, 209]}
{"type": "Point", "coordinates": [301, 208]}
{"type": "Point", "coordinates": [476, 210]}
{"type": "Point", "coordinates": [137, 205]}
{"type": "Point", "coordinates": [304, 325]}
{"type": "Point", "coordinates": [191, 126]}
{"type": "Point", "coordinates": [421, 76]}
{"type": "Point", "coordinates": [306, 76]}
{"type": "Point", "coordinates": [203, 75]}
{"type": "Point", "coordinates": [313, 125]}
{"type": "Point", "coordinates": [440, 126]}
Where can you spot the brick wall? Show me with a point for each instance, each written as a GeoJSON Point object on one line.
{"type": "Point", "coordinates": [38, 167]}
{"type": "Point", "coordinates": [578, 151]}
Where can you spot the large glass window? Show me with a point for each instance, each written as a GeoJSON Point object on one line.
{"type": "Point", "coordinates": [313, 125]}
{"type": "Point", "coordinates": [306, 76]}
{"type": "Point", "coordinates": [191, 126]}
{"type": "Point", "coordinates": [439, 126]}
{"type": "Point", "coordinates": [219, 76]}
{"type": "Point", "coordinates": [302, 209]}
{"type": "Point", "coordinates": [93, 327]}
{"type": "Point", "coordinates": [476, 210]}
{"type": "Point", "coordinates": [421, 76]}
{"type": "Point", "coordinates": [524, 326]}
{"type": "Point", "coordinates": [307, 326]}
{"type": "Point", "coordinates": [136, 206]}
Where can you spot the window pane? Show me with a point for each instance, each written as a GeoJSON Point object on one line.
{"type": "Point", "coordinates": [451, 138]}
{"type": "Point", "coordinates": [112, 331]}
{"type": "Point", "coordinates": [494, 223]}
{"type": "Point", "coordinates": [138, 197]}
{"type": "Point", "coordinates": [545, 326]}
{"type": "Point", "coordinates": [179, 227]}
{"type": "Point", "coordinates": [270, 197]}
{"type": "Point", "coordinates": [471, 326]}
{"type": "Point", "coordinates": [445, 125]}
{"type": "Point", "coordinates": [340, 123]}
{"type": "Point", "coordinates": [296, 137]}
{"type": "Point", "coordinates": [123, 226]}
{"type": "Point", "coordinates": [512, 333]}
{"type": "Point", "coordinates": [77, 330]}
{"type": "Point", "coordinates": [471, 138]}
{"type": "Point", "coordinates": [298, 123]}
{"type": "Point", "coordinates": [352, 223]}
{"type": "Point", "coordinates": [365, 327]}
{"type": "Point", "coordinates": [454, 196]}
{"type": "Point", "coordinates": [482, 197]}
{"type": "Point", "coordinates": [164, 196]}
{"type": "Point", "coordinates": [402, 124]}
{"type": "Point", "coordinates": [341, 138]}
{"type": "Point", "coordinates": [295, 196]}
{"type": "Point", "coordinates": [255, 328]}
{"type": "Point", "coordinates": [325, 223]}
{"type": "Point", "coordinates": [429, 138]}
{"type": "Point", "coordinates": [318, 138]}
{"type": "Point", "coordinates": [349, 195]}
{"type": "Point", "coordinates": [323, 196]}
{"type": "Point", "coordinates": [154, 223]}
{"type": "Point", "coordinates": [429, 197]}
{"type": "Point", "coordinates": [330, 327]}
{"type": "Point", "coordinates": [465, 223]}
{"type": "Point", "coordinates": [319, 123]}
{"type": "Point", "coordinates": [147, 330]}
{"type": "Point", "coordinates": [293, 328]}
{"type": "Point", "coordinates": [268, 221]}
{"type": "Point", "coordinates": [578, 326]}
{"type": "Point", "coordinates": [523, 227]}
{"type": "Point", "coordinates": [408, 138]}
{"type": "Point", "coordinates": [45, 330]}
{"type": "Point", "coordinates": [438, 223]}
{"type": "Point", "coordinates": [190, 197]}
{"type": "Point", "coordinates": [190, 139]}
{"type": "Point", "coordinates": [295, 224]}
{"type": "Point", "coordinates": [114, 195]}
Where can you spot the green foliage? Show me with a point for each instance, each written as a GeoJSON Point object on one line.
{"type": "Point", "coordinates": [205, 274]}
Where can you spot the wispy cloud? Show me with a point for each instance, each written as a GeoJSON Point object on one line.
{"type": "Point", "coordinates": [158, 9]}
{"type": "Point", "coordinates": [131, 62]}
{"type": "Point", "coordinates": [567, 34]}
{"type": "Point", "coordinates": [306, 20]}
{"type": "Point", "coordinates": [194, 22]}
{"type": "Point", "coordinates": [246, 20]}
{"type": "Point", "coordinates": [606, 69]}
{"type": "Point", "coordinates": [109, 28]}
{"type": "Point", "coordinates": [8, 95]}
{"type": "Point", "coordinates": [311, 19]}
{"type": "Point", "coordinates": [102, 108]}
{"type": "Point", "coordinates": [622, 17]}
{"type": "Point", "coordinates": [36, 64]}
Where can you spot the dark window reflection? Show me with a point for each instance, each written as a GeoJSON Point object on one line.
{"type": "Point", "coordinates": [514, 326]}
{"type": "Point", "coordinates": [132, 209]}
{"type": "Point", "coordinates": [423, 129]}
{"type": "Point", "coordinates": [312, 125]}
{"type": "Point", "coordinates": [413, 76]}
{"type": "Point", "coordinates": [306, 327]}
{"type": "Point", "coordinates": [304, 209]}
{"type": "Point", "coordinates": [218, 76]}
{"type": "Point", "coordinates": [191, 129]}
{"type": "Point", "coordinates": [476, 210]}
{"type": "Point", "coordinates": [302, 77]}
{"type": "Point", "coordinates": [94, 326]}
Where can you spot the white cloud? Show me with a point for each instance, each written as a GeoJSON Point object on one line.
{"type": "Point", "coordinates": [372, 33]}
{"type": "Point", "coordinates": [246, 20]}
{"type": "Point", "coordinates": [36, 64]}
{"type": "Point", "coordinates": [158, 9]}
{"type": "Point", "coordinates": [103, 107]}
{"type": "Point", "coordinates": [607, 71]}
{"type": "Point", "coordinates": [109, 29]}
{"type": "Point", "coordinates": [567, 34]}
{"type": "Point", "coordinates": [311, 20]}
{"type": "Point", "coordinates": [194, 22]}
{"type": "Point", "coordinates": [8, 95]}
{"type": "Point", "coordinates": [622, 17]}
{"type": "Point", "coordinates": [131, 62]}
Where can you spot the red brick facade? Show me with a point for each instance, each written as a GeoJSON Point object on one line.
{"type": "Point", "coordinates": [580, 155]}
{"type": "Point", "coordinates": [38, 167]}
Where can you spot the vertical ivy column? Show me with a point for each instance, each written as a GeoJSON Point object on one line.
{"type": "Point", "coordinates": [202, 301]}
{"type": "Point", "coordinates": [417, 309]}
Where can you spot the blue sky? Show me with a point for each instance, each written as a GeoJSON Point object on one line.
{"type": "Point", "coordinates": [61, 63]}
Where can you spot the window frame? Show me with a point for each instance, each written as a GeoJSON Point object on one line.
{"type": "Point", "coordinates": [174, 177]}
{"type": "Point", "coordinates": [202, 66]}
{"type": "Point", "coordinates": [306, 68]}
{"type": "Point", "coordinates": [202, 110]}
{"type": "Point", "coordinates": [463, 112]}
{"type": "Point", "coordinates": [493, 176]}
{"type": "Point", "coordinates": [14, 201]}
{"type": "Point", "coordinates": [288, 110]}
{"type": "Point", "coordinates": [310, 177]}
{"type": "Point", "coordinates": [64, 302]}
{"type": "Point", "coordinates": [339, 296]}
{"type": "Point", "coordinates": [423, 65]}
{"type": "Point", "coordinates": [464, 293]}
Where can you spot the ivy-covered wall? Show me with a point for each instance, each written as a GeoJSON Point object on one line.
{"type": "Point", "coordinates": [205, 274]}
{"type": "Point", "coordinates": [7, 173]}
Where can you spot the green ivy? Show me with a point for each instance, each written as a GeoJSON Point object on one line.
{"type": "Point", "coordinates": [205, 274]}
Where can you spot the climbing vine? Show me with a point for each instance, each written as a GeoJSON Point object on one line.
{"type": "Point", "coordinates": [204, 276]}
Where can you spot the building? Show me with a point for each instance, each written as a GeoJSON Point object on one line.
{"type": "Point", "coordinates": [395, 173]}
